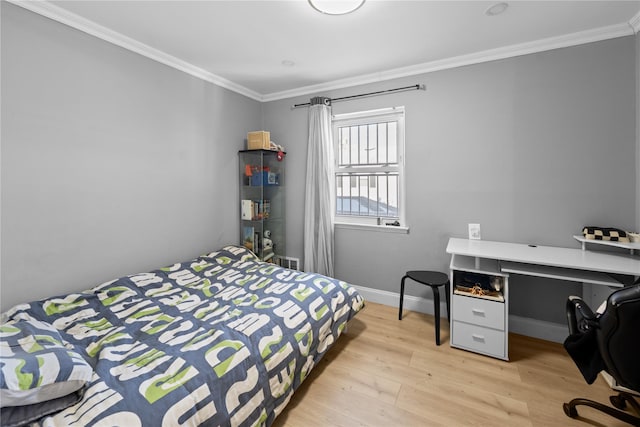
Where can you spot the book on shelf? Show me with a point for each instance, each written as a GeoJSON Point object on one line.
{"type": "Point", "coordinates": [262, 209]}
{"type": "Point", "coordinates": [256, 243]}
{"type": "Point", "coordinates": [248, 237]}
{"type": "Point", "coordinates": [247, 209]}
{"type": "Point", "coordinates": [255, 210]}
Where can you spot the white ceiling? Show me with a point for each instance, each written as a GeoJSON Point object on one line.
{"type": "Point", "coordinates": [246, 45]}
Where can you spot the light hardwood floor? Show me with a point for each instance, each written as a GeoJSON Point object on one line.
{"type": "Point", "coordinates": [387, 372]}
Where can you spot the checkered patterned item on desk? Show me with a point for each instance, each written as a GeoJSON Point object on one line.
{"type": "Point", "coordinates": [604, 233]}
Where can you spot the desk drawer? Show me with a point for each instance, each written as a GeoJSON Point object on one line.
{"type": "Point", "coordinates": [478, 311]}
{"type": "Point", "coordinates": [479, 339]}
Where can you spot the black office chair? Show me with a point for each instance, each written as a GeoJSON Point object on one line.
{"type": "Point", "coordinates": [608, 341]}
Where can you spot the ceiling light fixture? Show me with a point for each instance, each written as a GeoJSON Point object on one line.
{"type": "Point", "coordinates": [496, 9]}
{"type": "Point", "coordinates": [336, 7]}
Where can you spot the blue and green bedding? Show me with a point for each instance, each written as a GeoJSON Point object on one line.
{"type": "Point", "coordinates": [220, 340]}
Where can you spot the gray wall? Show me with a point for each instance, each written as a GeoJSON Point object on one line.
{"type": "Point", "coordinates": [532, 148]}
{"type": "Point", "coordinates": [111, 163]}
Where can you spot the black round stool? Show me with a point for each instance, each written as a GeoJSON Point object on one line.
{"type": "Point", "coordinates": [433, 279]}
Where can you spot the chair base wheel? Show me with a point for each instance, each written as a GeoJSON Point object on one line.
{"type": "Point", "coordinates": [618, 402]}
{"type": "Point", "coordinates": [569, 410]}
{"type": "Point", "coordinates": [622, 399]}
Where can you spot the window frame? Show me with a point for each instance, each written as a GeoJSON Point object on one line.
{"type": "Point", "coordinates": [370, 117]}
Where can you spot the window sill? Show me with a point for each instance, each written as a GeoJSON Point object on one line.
{"type": "Point", "coordinates": [371, 227]}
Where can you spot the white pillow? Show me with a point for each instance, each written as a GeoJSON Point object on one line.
{"type": "Point", "coordinates": [35, 366]}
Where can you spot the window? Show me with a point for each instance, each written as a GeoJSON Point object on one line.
{"type": "Point", "coordinates": [369, 151]}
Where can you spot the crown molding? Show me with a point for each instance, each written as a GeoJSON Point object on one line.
{"type": "Point", "coordinates": [583, 37]}
{"type": "Point", "coordinates": [51, 11]}
{"type": "Point", "coordinates": [635, 23]}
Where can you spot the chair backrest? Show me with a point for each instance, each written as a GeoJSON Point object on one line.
{"type": "Point", "coordinates": [619, 336]}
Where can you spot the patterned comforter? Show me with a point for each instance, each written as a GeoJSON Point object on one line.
{"type": "Point", "coordinates": [220, 340]}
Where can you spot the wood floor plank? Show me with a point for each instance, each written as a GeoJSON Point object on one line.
{"type": "Point", "coordinates": [468, 406]}
{"type": "Point", "coordinates": [362, 382]}
{"type": "Point", "coordinates": [386, 372]}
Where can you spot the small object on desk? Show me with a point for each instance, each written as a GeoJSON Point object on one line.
{"type": "Point", "coordinates": [533, 246]}
{"type": "Point", "coordinates": [605, 233]}
{"type": "Point", "coordinates": [497, 283]}
{"type": "Point", "coordinates": [474, 231]}
{"type": "Point", "coordinates": [478, 291]}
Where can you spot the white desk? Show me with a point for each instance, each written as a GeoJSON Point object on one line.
{"type": "Point", "coordinates": [481, 325]}
{"type": "Point", "coordinates": [550, 256]}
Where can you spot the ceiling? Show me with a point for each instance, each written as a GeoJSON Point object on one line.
{"type": "Point", "coordinates": [276, 49]}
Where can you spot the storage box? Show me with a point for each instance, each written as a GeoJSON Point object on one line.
{"type": "Point", "coordinates": [264, 178]}
{"type": "Point", "coordinates": [259, 140]}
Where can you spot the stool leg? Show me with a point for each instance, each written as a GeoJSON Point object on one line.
{"type": "Point", "coordinates": [436, 310]}
{"type": "Point", "coordinates": [401, 297]}
{"type": "Point", "coordinates": [447, 289]}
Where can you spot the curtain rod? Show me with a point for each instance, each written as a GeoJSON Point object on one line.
{"type": "Point", "coordinates": [362, 95]}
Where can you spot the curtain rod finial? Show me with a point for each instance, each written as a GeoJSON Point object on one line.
{"type": "Point", "coordinates": [422, 87]}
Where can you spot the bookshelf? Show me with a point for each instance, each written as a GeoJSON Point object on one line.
{"type": "Point", "coordinates": [262, 204]}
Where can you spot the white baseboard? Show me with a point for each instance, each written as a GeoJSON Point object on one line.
{"type": "Point", "coordinates": [549, 331]}
{"type": "Point", "coordinates": [392, 299]}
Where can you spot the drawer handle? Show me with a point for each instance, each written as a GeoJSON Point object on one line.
{"type": "Point", "coordinates": [477, 312]}
{"type": "Point", "coordinates": [477, 337]}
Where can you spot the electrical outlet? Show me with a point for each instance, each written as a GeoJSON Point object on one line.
{"type": "Point", "coordinates": [474, 231]}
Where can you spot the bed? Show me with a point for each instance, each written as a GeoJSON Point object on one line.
{"type": "Point", "coordinates": [223, 339]}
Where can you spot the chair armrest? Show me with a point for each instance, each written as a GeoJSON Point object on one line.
{"type": "Point", "coordinates": [576, 304]}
